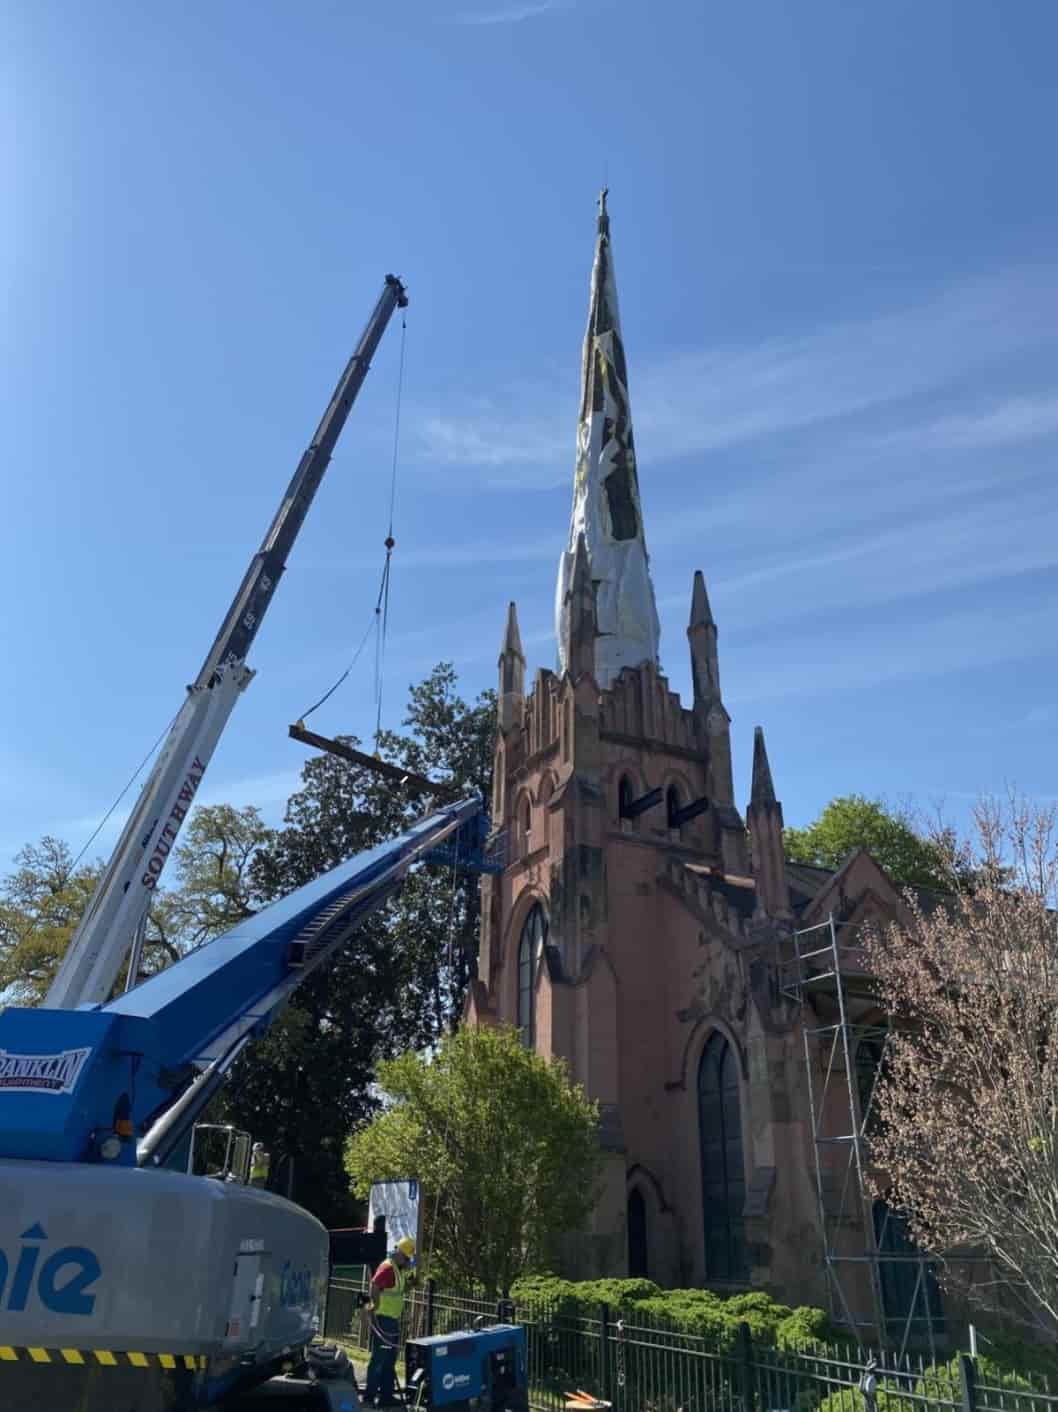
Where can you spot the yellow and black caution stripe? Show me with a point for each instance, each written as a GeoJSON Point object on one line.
{"type": "Point", "coordinates": [102, 1357]}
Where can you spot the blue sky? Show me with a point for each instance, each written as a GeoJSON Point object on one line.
{"type": "Point", "coordinates": [834, 231]}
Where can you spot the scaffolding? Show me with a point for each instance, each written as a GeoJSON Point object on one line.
{"type": "Point", "coordinates": [878, 1283]}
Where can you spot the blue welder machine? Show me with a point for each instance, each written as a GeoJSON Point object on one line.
{"type": "Point", "coordinates": [484, 1368]}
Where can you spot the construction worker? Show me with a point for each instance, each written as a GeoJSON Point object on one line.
{"type": "Point", "coordinates": [259, 1164]}
{"type": "Point", "coordinates": [386, 1305]}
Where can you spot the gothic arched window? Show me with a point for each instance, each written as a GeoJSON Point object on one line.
{"type": "Point", "coordinates": [868, 1062]}
{"type": "Point", "coordinates": [673, 803]}
{"type": "Point", "coordinates": [625, 795]}
{"type": "Point", "coordinates": [908, 1302]}
{"type": "Point", "coordinates": [723, 1169]}
{"type": "Point", "coordinates": [530, 949]}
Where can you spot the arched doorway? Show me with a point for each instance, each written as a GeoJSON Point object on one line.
{"type": "Point", "coordinates": [723, 1167]}
{"type": "Point", "coordinates": [638, 1259]}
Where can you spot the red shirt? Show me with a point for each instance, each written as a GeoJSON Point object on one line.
{"type": "Point", "coordinates": [385, 1277]}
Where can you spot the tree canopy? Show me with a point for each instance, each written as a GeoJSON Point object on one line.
{"type": "Point", "coordinates": [41, 902]}
{"type": "Point", "coordinates": [853, 821]}
{"type": "Point", "coordinates": [504, 1148]}
{"type": "Point", "coordinates": [966, 1140]}
{"type": "Point", "coordinates": [400, 981]}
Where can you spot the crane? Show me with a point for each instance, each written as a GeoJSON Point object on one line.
{"type": "Point", "coordinates": [124, 1283]}
{"type": "Point", "coordinates": [116, 916]}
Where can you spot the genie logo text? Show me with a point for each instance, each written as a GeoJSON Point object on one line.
{"type": "Point", "coordinates": [58, 1280]}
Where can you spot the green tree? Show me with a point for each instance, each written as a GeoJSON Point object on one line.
{"type": "Point", "coordinates": [400, 981]}
{"type": "Point", "coordinates": [853, 821]}
{"type": "Point", "coordinates": [41, 903]}
{"type": "Point", "coordinates": [213, 889]}
{"type": "Point", "coordinates": [503, 1145]}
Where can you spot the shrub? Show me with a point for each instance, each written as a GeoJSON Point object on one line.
{"type": "Point", "coordinates": [804, 1327]}
{"type": "Point", "coordinates": [691, 1311]}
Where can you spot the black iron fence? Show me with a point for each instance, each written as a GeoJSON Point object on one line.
{"type": "Point", "coordinates": [637, 1364]}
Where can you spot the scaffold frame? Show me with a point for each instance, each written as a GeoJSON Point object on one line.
{"type": "Point", "coordinates": [826, 961]}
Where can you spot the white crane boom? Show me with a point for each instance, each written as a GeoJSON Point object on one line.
{"type": "Point", "coordinates": [119, 906]}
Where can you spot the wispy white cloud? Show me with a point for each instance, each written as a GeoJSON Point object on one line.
{"type": "Point", "coordinates": [513, 13]}
{"type": "Point", "coordinates": [918, 552]}
{"type": "Point", "coordinates": [819, 663]}
{"type": "Point", "coordinates": [495, 436]}
{"type": "Point", "coordinates": [702, 400]}
{"type": "Point", "coordinates": [1006, 423]}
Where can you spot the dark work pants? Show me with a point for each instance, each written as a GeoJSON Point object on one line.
{"type": "Point", "coordinates": [382, 1369]}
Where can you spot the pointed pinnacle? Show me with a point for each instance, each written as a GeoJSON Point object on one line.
{"type": "Point", "coordinates": [701, 613]}
{"type": "Point", "coordinates": [763, 790]}
{"type": "Point", "coordinates": [604, 215]}
{"type": "Point", "coordinates": [512, 640]}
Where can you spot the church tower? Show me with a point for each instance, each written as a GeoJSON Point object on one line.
{"type": "Point", "coordinates": [630, 932]}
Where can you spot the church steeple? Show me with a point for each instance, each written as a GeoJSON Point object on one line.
{"type": "Point", "coordinates": [606, 509]}
{"type": "Point", "coordinates": [711, 722]}
{"type": "Point", "coordinates": [512, 674]}
{"type": "Point", "coordinates": [765, 824]}
{"type": "Point", "coordinates": [762, 790]}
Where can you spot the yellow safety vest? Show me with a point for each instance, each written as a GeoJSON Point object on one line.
{"type": "Point", "coordinates": [259, 1170]}
{"type": "Point", "coordinates": [391, 1301]}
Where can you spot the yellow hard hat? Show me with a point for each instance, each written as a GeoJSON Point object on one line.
{"type": "Point", "coordinates": [406, 1246]}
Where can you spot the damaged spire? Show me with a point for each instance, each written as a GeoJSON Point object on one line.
{"type": "Point", "coordinates": [606, 508]}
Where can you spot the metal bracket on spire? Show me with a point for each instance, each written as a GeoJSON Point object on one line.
{"type": "Point", "coordinates": [689, 812]}
{"type": "Point", "coordinates": [635, 807]}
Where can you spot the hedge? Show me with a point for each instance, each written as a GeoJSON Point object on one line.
{"type": "Point", "coordinates": [692, 1311]}
{"type": "Point", "coordinates": [715, 1319]}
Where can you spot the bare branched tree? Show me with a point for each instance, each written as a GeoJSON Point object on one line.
{"type": "Point", "coordinates": [967, 1141]}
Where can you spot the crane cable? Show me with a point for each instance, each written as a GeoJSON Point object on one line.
{"type": "Point", "coordinates": [131, 781]}
{"type": "Point", "coordinates": [378, 623]}
{"type": "Point", "coordinates": [383, 603]}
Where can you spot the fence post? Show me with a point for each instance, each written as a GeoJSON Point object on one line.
{"type": "Point", "coordinates": [744, 1354]}
{"type": "Point", "coordinates": [967, 1382]}
{"type": "Point", "coordinates": [604, 1352]}
{"type": "Point", "coordinates": [429, 1306]}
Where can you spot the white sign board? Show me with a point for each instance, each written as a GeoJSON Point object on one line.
{"type": "Point", "coordinates": [399, 1203]}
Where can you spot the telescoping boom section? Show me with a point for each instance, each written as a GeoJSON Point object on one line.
{"type": "Point", "coordinates": [121, 1083]}
{"type": "Point", "coordinates": [117, 913]}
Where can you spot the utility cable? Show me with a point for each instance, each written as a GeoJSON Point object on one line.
{"type": "Point", "coordinates": [132, 780]}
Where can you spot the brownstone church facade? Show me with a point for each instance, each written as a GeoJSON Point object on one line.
{"type": "Point", "coordinates": [643, 929]}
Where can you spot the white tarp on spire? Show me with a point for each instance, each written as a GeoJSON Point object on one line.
{"type": "Point", "coordinates": [606, 491]}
